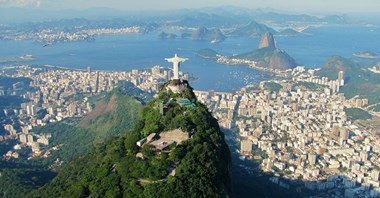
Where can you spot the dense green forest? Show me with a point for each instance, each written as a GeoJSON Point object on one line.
{"type": "Point", "coordinates": [77, 138]}
{"type": "Point", "coordinates": [19, 177]}
{"type": "Point", "coordinates": [202, 163]}
{"type": "Point", "coordinates": [357, 114]}
{"type": "Point", "coordinates": [308, 85]}
{"type": "Point", "coordinates": [73, 140]}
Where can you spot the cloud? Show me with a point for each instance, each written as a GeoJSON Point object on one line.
{"type": "Point", "coordinates": [20, 3]}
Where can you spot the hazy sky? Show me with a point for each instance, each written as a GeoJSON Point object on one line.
{"type": "Point", "coordinates": [339, 6]}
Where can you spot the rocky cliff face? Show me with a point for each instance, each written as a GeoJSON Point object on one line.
{"type": "Point", "coordinates": [269, 57]}
{"type": "Point", "coordinates": [268, 41]}
{"type": "Point", "coordinates": [281, 60]}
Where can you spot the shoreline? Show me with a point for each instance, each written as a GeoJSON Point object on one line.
{"type": "Point", "coordinates": [251, 64]}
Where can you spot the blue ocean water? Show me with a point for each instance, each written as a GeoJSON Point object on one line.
{"type": "Point", "coordinates": [320, 43]}
{"type": "Point", "coordinates": [126, 52]}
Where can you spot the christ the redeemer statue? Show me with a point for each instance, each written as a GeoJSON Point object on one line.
{"type": "Point", "coordinates": [176, 61]}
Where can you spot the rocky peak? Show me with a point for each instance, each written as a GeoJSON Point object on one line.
{"type": "Point", "coordinates": [268, 41]}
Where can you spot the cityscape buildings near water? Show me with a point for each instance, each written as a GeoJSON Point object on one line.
{"type": "Point", "coordinates": [301, 134]}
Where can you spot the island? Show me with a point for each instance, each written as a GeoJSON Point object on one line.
{"type": "Point", "coordinates": [25, 57]}
{"type": "Point", "coordinates": [289, 32]}
{"type": "Point", "coordinates": [368, 54]}
{"type": "Point", "coordinates": [208, 53]}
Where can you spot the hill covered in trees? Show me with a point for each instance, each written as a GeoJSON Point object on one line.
{"type": "Point", "coordinates": [144, 164]}
{"type": "Point", "coordinates": [73, 138]}
{"type": "Point", "coordinates": [359, 80]}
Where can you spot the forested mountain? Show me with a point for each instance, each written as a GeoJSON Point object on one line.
{"type": "Point", "coordinates": [183, 154]}
{"type": "Point", "coordinates": [73, 138]}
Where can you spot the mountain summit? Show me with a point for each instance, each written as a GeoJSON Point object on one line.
{"type": "Point", "coordinates": [175, 150]}
{"type": "Point", "coordinates": [268, 55]}
{"type": "Point", "coordinates": [268, 41]}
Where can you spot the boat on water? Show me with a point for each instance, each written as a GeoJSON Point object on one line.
{"type": "Point", "coordinates": [47, 44]}
{"type": "Point", "coordinates": [215, 41]}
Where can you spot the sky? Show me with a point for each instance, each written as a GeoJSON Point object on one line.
{"type": "Point", "coordinates": [304, 6]}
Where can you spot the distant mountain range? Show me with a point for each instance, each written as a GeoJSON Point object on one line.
{"type": "Point", "coordinates": [213, 24]}
{"type": "Point", "coordinates": [209, 17]}
{"type": "Point", "coordinates": [213, 35]}
{"type": "Point", "coordinates": [252, 29]}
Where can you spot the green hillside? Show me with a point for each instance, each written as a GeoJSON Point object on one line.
{"type": "Point", "coordinates": [74, 138]}
{"type": "Point", "coordinates": [358, 79]}
{"type": "Point", "coordinates": [196, 167]}
{"type": "Point", "coordinates": [116, 114]}
{"type": "Point", "coordinates": [80, 136]}
{"type": "Point", "coordinates": [357, 114]}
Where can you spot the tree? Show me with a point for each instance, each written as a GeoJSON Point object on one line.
{"type": "Point", "coordinates": [148, 151]}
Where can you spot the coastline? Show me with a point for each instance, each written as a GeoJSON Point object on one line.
{"type": "Point", "coordinates": [251, 64]}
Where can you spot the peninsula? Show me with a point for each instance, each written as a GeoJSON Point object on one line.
{"type": "Point", "coordinates": [268, 57]}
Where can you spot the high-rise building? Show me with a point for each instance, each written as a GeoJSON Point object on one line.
{"type": "Point", "coordinates": [295, 106]}
{"type": "Point", "coordinates": [364, 155]}
{"type": "Point", "coordinates": [341, 78]}
{"type": "Point", "coordinates": [312, 158]}
{"type": "Point", "coordinates": [335, 132]}
{"type": "Point", "coordinates": [343, 133]}
{"type": "Point", "coordinates": [25, 130]}
{"type": "Point", "coordinates": [10, 129]}
{"type": "Point", "coordinates": [23, 138]}
{"type": "Point", "coordinates": [35, 147]}
{"type": "Point", "coordinates": [31, 110]}
{"type": "Point", "coordinates": [375, 175]}
{"type": "Point", "coordinates": [358, 103]}
{"type": "Point", "coordinates": [30, 138]}
{"type": "Point", "coordinates": [246, 147]}
{"type": "Point", "coordinates": [364, 101]}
